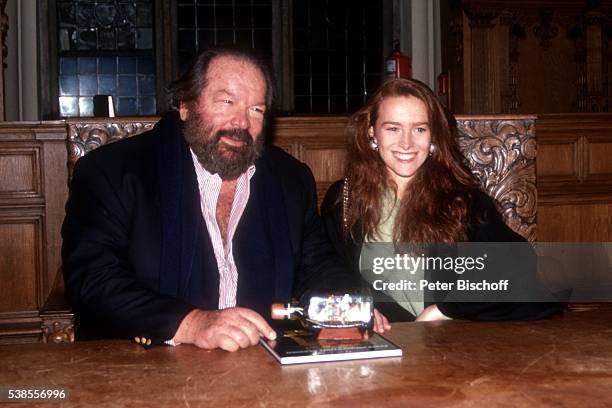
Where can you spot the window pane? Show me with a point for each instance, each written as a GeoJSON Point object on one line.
{"type": "Point", "coordinates": [106, 48]}
{"type": "Point", "coordinates": [342, 40]}
{"type": "Point", "coordinates": [229, 22]}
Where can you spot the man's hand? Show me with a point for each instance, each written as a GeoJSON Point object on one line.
{"type": "Point", "coordinates": [431, 313]}
{"type": "Point", "coordinates": [229, 329]}
{"type": "Point", "coordinates": [381, 324]}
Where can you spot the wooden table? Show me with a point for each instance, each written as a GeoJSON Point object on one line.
{"type": "Point", "coordinates": [566, 361]}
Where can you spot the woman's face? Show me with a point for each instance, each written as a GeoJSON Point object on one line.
{"type": "Point", "coordinates": [403, 133]}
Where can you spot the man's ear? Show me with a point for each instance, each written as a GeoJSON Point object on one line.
{"type": "Point", "coordinates": [183, 111]}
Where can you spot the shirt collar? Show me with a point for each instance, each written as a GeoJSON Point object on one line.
{"type": "Point", "coordinates": [204, 174]}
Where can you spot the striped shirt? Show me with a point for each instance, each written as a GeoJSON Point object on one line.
{"type": "Point", "coordinates": [210, 186]}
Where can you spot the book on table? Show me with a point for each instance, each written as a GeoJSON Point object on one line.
{"type": "Point", "coordinates": [302, 346]}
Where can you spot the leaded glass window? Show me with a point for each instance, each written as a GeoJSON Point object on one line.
{"type": "Point", "coordinates": [337, 54]}
{"type": "Point", "coordinates": [205, 23]}
{"type": "Point", "coordinates": [336, 48]}
{"type": "Point", "coordinates": [106, 47]}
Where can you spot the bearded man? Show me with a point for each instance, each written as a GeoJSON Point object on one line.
{"type": "Point", "coordinates": [187, 233]}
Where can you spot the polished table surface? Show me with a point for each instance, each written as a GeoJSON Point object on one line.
{"type": "Point", "coordinates": [565, 361]}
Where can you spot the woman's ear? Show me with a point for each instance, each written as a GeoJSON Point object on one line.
{"type": "Point", "coordinates": [371, 131]}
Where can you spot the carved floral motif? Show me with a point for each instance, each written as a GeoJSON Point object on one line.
{"type": "Point", "coordinates": [546, 30]}
{"type": "Point", "coordinates": [501, 154]}
{"type": "Point", "coordinates": [85, 137]}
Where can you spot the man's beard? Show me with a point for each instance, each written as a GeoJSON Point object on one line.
{"type": "Point", "coordinates": [220, 158]}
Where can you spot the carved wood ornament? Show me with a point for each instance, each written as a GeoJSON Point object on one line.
{"type": "Point", "coordinates": [501, 154]}
{"type": "Point", "coordinates": [509, 45]}
{"type": "Point", "coordinates": [85, 137]}
{"type": "Point", "coordinates": [58, 331]}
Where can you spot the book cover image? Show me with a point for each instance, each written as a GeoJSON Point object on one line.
{"type": "Point", "coordinates": [302, 346]}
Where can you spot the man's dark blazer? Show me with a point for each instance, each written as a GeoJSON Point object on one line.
{"type": "Point", "coordinates": [137, 255]}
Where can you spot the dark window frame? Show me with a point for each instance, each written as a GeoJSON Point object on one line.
{"type": "Point", "coordinates": [166, 52]}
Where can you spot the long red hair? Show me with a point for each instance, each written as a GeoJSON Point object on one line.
{"type": "Point", "coordinates": [435, 206]}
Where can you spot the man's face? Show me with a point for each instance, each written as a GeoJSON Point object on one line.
{"type": "Point", "coordinates": [223, 126]}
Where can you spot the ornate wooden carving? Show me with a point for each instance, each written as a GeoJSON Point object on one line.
{"type": "Point", "coordinates": [539, 47]}
{"type": "Point", "coordinates": [84, 137]}
{"type": "Point", "coordinates": [58, 331]}
{"type": "Point", "coordinates": [501, 154]}
{"type": "Point", "coordinates": [545, 30]}
{"type": "Point", "coordinates": [482, 18]}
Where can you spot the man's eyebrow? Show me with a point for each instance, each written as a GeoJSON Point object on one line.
{"type": "Point", "coordinates": [223, 92]}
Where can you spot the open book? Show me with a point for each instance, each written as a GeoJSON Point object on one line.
{"type": "Point", "coordinates": [300, 346]}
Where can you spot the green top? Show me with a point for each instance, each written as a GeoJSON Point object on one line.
{"type": "Point", "coordinates": [381, 246]}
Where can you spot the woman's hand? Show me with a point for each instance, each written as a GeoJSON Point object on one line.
{"type": "Point", "coordinates": [431, 313]}
{"type": "Point", "coordinates": [381, 324]}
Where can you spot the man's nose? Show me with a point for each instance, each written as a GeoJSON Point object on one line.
{"type": "Point", "coordinates": [241, 119]}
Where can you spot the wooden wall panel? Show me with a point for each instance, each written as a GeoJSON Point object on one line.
{"type": "Point", "coordinates": [21, 248]}
{"type": "Point", "coordinates": [55, 179]}
{"type": "Point", "coordinates": [599, 157]}
{"type": "Point", "coordinates": [327, 166]}
{"type": "Point", "coordinates": [22, 164]}
{"type": "Point", "coordinates": [558, 160]}
{"type": "Point", "coordinates": [33, 191]}
{"type": "Point", "coordinates": [524, 57]}
{"type": "Point", "coordinates": [574, 168]}
{"type": "Point", "coordinates": [575, 223]}
{"type": "Point", "coordinates": [590, 138]}
{"type": "Point", "coordinates": [546, 74]}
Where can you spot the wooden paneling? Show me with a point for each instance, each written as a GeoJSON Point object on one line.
{"type": "Point", "coordinates": [546, 75]}
{"type": "Point", "coordinates": [33, 191]}
{"type": "Point", "coordinates": [22, 163]}
{"type": "Point", "coordinates": [599, 157]}
{"type": "Point", "coordinates": [320, 142]}
{"type": "Point", "coordinates": [574, 169]}
{"type": "Point", "coordinates": [574, 158]}
{"type": "Point", "coordinates": [575, 223]}
{"type": "Point", "coordinates": [525, 57]}
{"type": "Point", "coordinates": [21, 249]}
{"type": "Point", "coordinates": [558, 160]}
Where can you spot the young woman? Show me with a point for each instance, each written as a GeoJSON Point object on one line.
{"type": "Point", "coordinates": [406, 184]}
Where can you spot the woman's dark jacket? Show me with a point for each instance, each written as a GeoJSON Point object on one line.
{"type": "Point", "coordinates": [486, 225]}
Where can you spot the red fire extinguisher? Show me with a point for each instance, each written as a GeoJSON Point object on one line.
{"type": "Point", "coordinates": [398, 65]}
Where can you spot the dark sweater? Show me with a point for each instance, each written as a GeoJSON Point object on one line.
{"type": "Point", "coordinates": [486, 225]}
